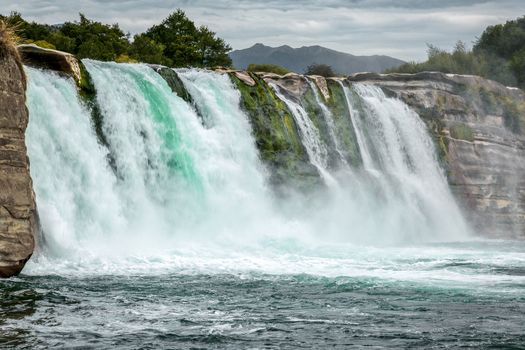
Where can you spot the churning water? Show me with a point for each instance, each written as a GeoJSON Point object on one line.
{"type": "Point", "coordinates": [167, 235]}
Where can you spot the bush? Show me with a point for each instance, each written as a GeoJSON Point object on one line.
{"type": "Point", "coordinates": [461, 61]}
{"type": "Point", "coordinates": [44, 44]}
{"type": "Point", "coordinates": [323, 70]}
{"type": "Point", "coordinates": [268, 68]}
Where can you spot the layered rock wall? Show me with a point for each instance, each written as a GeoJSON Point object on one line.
{"type": "Point", "coordinates": [18, 218]}
{"type": "Point", "coordinates": [479, 130]}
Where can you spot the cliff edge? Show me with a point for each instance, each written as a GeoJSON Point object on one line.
{"type": "Point", "coordinates": [18, 218]}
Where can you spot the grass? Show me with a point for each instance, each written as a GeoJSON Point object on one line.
{"type": "Point", "coordinates": [8, 42]}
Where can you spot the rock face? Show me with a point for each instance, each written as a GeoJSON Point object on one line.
{"type": "Point", "coordinates": [51, 59]}
{"type": "Point", "coordinates": [18, 218]}
{"type": "Point", "coordinates": [479, 129]}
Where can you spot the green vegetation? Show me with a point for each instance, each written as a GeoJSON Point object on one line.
{"type": "Point", "coordinates": [323, 70]}
{"type": "Point", "coordinates": [186, 45]}
{"type": "Point", "coordinates": [343, 124]}
{"type": "Point", "coordinates": [499, 54]}
{"type": "Point", "coordinates": [8, 41]}
{"type": "Point", "coordinates": [277, 136]}
{"type": "Point", "coordinates": [175, 42]}
{"type": "Point", "coordinates": [462, 132]}
{"type": "Point", "coordinates": [268, 68]}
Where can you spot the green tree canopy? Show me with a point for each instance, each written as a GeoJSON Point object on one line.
{"type": "Point", "coordinates": [506, 41]}
{"type": "Point", "coordinates": [174, 42]}
{"type": "Point", "coordinates": [187, 45]}
{"type": "Point", "coordinates": [96, 40]}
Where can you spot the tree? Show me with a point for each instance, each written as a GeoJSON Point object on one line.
{"type": "Point", "coordinates": [144, 49]}
{"type": "Point", "coordinates": [96, 40]}
{"type": "Point", "coordinates": [174, 42]}
{"type": "Point", "coordinates": [506, 41]}
{"type": "Point", "coordinates": [187, 45]}
{"type": "Point", "coordinates": [320, 69]}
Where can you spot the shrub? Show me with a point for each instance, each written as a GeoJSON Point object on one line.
{"type": "Point", "coordinates": [268, 68]}
{"type": "Point", "coordinates": [323, 70]}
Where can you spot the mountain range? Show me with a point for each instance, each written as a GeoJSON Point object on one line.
{"type": "Point", "coordinates": [298, 59]}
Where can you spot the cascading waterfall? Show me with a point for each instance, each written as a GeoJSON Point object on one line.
{"type": "Point", "coordinates": [329, 121]}
{"type": "Point", "coordinates": [74, 186]}
{"type": "Point", "coordinates": [311, 139]}
{"type": "Point", "coordinates": [399, 155]}
{"type": "Point", "coordinates": [184, 185]}
{"type": "Point", "coordinates": [358, 129]}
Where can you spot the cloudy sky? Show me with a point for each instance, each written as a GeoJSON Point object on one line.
{"type": "Point", "coordinates": [399, 28]}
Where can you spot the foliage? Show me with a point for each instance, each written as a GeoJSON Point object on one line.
{"type": "Point", "coordinates": [499, 54]}
{"type": "Point", "coordinates": [461, 61]}
{"type": "Point", "coordinates": [268, 68]}
{"type": "Point", "coordinates": [187, 45]}
{"type": "Point", "coordinates": [508, 42]}
{"type": "Point", "coordinates": [147, 50]}
{"type": "Point", "coordinates": [323, 70]}
{"type": "Point", "coordinates": [8, 41]}
{"type": "Point", "coordinates": [8, 38]}
{"type": "Point", "coordinates": [174, 42]}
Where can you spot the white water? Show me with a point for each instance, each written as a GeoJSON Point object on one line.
{"type": "Point", "coordinates": [310, 136]}
{"type": "Point", "coordinates": [190, 198]}
{"type": "Point", "coordinates": [406, 166]}
{"type": "Point", "coordinates": [329, 122]}
{"type": "Point", "coordinates": [73, 184]}
{"type": "Point", "coordinates": [358, 128]}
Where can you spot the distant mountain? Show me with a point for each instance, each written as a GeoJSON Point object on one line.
{"type": "Point", "coordinates": [298, 59]}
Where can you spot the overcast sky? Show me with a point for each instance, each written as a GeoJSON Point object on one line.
{"type": "Point", "coordinates": [399, 28]}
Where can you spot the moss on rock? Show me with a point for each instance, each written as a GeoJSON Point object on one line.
{"type": "Point", "coordinates": [432, 118]}
{"type": "Point", "coordinates": [344, 129]}
{"type": "Point", "coordinates": [175, 83]}
{"type": "Point", "coordinates": [315, 113]}
{"type": "Point", "coordinates": [462, 132]}
{"type": "Point", "coordinates": [88, 94]}
{"type": "Point", "coordinates": [276, 136]}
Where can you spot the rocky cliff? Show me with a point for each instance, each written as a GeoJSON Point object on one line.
{"type": "Point", "coordinates": [479, 129]}
{"type": "Point", "coordinates": [18, 218]}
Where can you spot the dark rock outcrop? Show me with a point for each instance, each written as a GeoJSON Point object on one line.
{"type": "Point", "coordinates": [18, 218]}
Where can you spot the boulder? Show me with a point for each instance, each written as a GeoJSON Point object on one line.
{"type": "Point", "coordinates": [59, 61]}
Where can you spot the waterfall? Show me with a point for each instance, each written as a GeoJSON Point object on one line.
{"type": "Point", "coordinates": [358, 129]}
{"type": "Point", "coordinates": [177, 187]}
{"type": "Point", "coordinates": [174, 177]}
{"type": "Point", "coordinates": [329, 122]}
{"type": "Point", "coordinates": [74, 186]}
{"type": "Point", "coordinates": [311, 139]}
{"type": "Point", "coordinates": [404, 165]}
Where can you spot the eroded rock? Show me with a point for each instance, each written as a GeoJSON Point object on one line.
{"type": "Point", "coordinates": [18, 218]}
